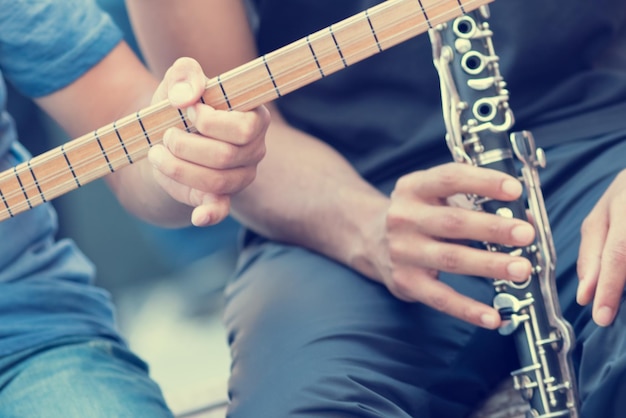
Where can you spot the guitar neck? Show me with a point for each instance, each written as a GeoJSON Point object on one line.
{"type": "Point", "coordinates": [262, 80]}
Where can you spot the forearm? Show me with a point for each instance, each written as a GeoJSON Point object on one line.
{"type": "Point", "coordinates": [306, 193]}
{"type": "Point", "coordinates": [167, 29]}
{"type": "Point", "coordinates": [118, 86]}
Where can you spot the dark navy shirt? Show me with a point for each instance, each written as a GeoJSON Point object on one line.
{"type": "Point", "coordinates": [563, 61]}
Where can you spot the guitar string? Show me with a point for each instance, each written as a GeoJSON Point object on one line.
{"type": "Point", "coordinates": [236, 73]}
{"type": "Point", "coordinates": [70, 183]}
{"type": "Point", "coordinates": [141, 137]}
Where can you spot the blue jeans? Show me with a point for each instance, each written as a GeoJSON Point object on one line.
{"type": "Point", "coordinates": [78, 379]}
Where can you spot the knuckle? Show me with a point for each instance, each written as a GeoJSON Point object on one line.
{"type": "Point", "coordinates": [246, 179]}
{"type": "Point", "coordinates": [202, 122]}
{"type": "Point", "coordinates": [446, 177]}
{"type": "Point", "coordinates": [438, 301]}
{"type": "Point", "coordinates": [617, 252]}
{"type": "Point", "coordinates": [408, 182]}
{"type": "Point", "coordinates": [587, 226]}
{"type": "Point", "coordinates": [394, 218]}
{"type": "Point", "coordinates": [396, 250]}
{"type": "Point", "coordinates": [173, 170]}
{"type": "Point", "coordinates": [226, 155]}
{"type": "Point", "coordinates": [448, 261]}
{"type": "Point", "coordinates": [248, 130]}
{"type": "Point", "coordinates": [452, 223]}
{"type": "Point", "coordinates": [498, 231]}
{"type": "Point", "coordinates": [216, 184]}
{"type": "Point", "coordinates": [401, 285]}
{"type": "Point", "coordinates": [194, 197]}
{"type": "Point", "coordinates": [261, 152]}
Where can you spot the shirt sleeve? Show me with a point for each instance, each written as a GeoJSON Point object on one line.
{"type": "Point", "coordinates": [47, 44]}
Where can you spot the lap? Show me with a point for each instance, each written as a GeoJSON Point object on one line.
{"type": "Point", "coordinates": [81, 379]}
{"type": "Point", "coordinates": [312, 338]}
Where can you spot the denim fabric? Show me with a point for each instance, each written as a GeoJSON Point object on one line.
{"type": "Point", "coordinates": [46, 286]}
{"type": "Point", "coordinates": [78, 379]}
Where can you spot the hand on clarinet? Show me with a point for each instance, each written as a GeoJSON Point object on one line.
{"type": "Point", "coordinates": [602, 255]}
{"type": "Point", "coordinates": [424, 234]}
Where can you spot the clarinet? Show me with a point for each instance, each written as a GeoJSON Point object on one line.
{"type": "Point", "coordinates": [478, 120]}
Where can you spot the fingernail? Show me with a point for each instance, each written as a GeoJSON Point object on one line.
{"type": "Point", "coordinates": [167, 135]}
{"type": "Point", "coordinates": [512, 187]}
{"type": "Point", "coordinates": [604, 316]}
{"type": "Point", "coordinates": [155, 155]}
{"type": "Point", "coordinates": [579, 295]}
{"type": "Point", "coordinates": [523, 234]}
{"type": "Point", "coordinates": [489, 321]}
{"type": "Point", "coordinates": [581, 298]}
{"type": "Point", "coordinates": [200, 217]}
{"type": "Point", "coordinates": [181, 92]}
{"type": "Point", "coordinates": [191, 114]}
{"type": "Point", "coordinates": [518, 270]}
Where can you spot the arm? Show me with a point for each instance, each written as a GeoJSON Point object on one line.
{"type": "Point", "coordinates": [307, 194]}
{"type": "Point", "coordinates": [602, 254]}
{"type": "Point", "coordinates": [297, 166]}
{"type": "Point", "coordinates": [119, 85]}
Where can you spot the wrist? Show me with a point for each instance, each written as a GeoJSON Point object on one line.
{"type": "Point", "coordinates": [368, 246]}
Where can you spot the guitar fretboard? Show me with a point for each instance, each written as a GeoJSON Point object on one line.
{"type": "Point", "coordinates": [262, 80]}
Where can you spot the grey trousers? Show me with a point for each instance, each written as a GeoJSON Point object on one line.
{"type": "Point", "coordinates": [311, 338]}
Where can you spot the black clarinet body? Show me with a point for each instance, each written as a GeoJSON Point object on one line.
{"type": "Point", "coordinates": [478, 123]}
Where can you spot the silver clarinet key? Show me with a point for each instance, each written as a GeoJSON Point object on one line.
{"type": "Point", "coordinates": [478, 122]}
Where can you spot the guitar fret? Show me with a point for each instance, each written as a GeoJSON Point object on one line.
{"type": "Point", "coordinates": [224, 94]}
{"type": "Point", "coordinates": [32, 173]}
{"type": "Point", "coordinates": [119, 137]}
{"type": "Point", "coordinates": [104, 153]}
{"type": "Point", "coordinates": [319, 67]}
{"type": "Point", "coordinates": [143, 129]}
{"type": "Point", "coordinates": [269, 71]}
{"type": "Point", "coordinates": [441, 11]}
{"type": "Point", "coordinates": [369, 22]}
{"type": "Point", "coordinates": [461, 6]}
{"type": "Point", "coordinates": [430, 26]}
{"type": "Point", "coordinates": [248, 86]}
{"type": "Point", "coordinates": [69, 164]}
{"type": "Point", "coordinates": [19, 181]}
{"type": "Point", "coordinates": [332, 34]}
{"type": "Point", "coordinates": [6, 204]}
{"type": "Point", "coordinates": [184, 120]}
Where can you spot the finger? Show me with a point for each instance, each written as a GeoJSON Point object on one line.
{"type": "Point", "coordinates": [447, 180]}
{"type": "Point", "coordinates": [612, 276]}
{"type": "Point", "coordinates": [183, 84]}
{"type": "Point", "coordinates": [212, 153]}
{"type": "Point", "coordinates": [457, 223]}
{"type": "Point", "coordinates": [209, 209]}
{"type": "Point", "coordinates": [202, 178]}
{"type": "Point", "coordinates": [594, 233]}
{"type": "Point", "coordinates": [214, 209]}
{"type": "Point", "coordinates": [238, 128]}
{"type": "Point", "coordinates": [458, 259]}
{"type": "Point", "coordinates": [443, 298]}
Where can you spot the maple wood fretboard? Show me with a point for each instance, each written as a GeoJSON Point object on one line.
{"type": "Point", "coordinates": [262, 80]}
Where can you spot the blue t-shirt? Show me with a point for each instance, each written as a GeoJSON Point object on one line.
{"type": "Point", "coordinates": [564, 61]}
{"type": "Point", "coordinates": [46, 287]}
